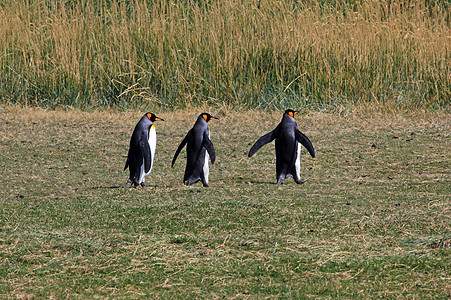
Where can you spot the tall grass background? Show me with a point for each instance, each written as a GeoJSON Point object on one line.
{"type": "Point", "coordinates": [245, 54]}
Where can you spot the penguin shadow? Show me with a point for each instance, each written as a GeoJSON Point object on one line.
{"type": "Point", "coordinates": [273, 183]}
{"type": "Point", "coordinates": [260, 182]}
{"type": "Point", "coordinates": [112, 187]}
{"type": "Point", "coordinates": [148, 186]}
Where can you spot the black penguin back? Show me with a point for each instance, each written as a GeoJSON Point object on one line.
{"type": "Point", "coordinates": [286, 147]}
{"type": "Point", "coordinates": [198, 143]}
{"type": "Point", "coordinates": [195, 152]}
{"type": "Point", "coordinates": [139, 150]}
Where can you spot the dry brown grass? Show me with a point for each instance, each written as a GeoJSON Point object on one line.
{"type": "Point", "coordinates": [264, 54]}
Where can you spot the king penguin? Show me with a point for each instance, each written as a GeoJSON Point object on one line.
{"type": "Point", "coordinates": [199, 149]}
{"type": "Point", "coordinates": [288, 149]}
{"type": "Point", "coordinates": [142, 150]}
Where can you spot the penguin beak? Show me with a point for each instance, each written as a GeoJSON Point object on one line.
{"type": "Point", "coordinates": [158, 119]}
{"type": "Point", "coordinates": [215, 118]}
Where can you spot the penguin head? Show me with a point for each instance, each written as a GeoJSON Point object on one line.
{"type": "Point", "coordinates": [207, 117]}
{"type": "Point", "coordinates": [291, 112]}
{"type": "Point", "coordinates": [152, 117]}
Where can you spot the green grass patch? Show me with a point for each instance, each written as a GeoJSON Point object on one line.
{"type": "Point", "coordinates": [372, 221]}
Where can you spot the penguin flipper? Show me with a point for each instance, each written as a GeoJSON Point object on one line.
{"type": "Point", "coordinates": [210, 149]}
{"type": "Point", "coordinates": [145, 150]}
{"type": "Point", "coordinates": [304, 140]}
{"type": "Point", "coordinates": [267, 138]}
{"type": "Point", "coordinates": [180, 147]}
{"type": "Point", "coordinates": [126, 164]}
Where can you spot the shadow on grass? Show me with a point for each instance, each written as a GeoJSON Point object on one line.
{"type": "Point", "coordinates": [106, 187]}
{"type": "Point", "coordinates": [274, 183]}
{"type": "Point", "coordinates": [262, 182]}
{"type": "Point", "coordinates": [173, 186]}
{"type": "Point", "coordinates": [127, 188]}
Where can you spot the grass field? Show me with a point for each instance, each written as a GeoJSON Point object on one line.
{"type": "Point", "coordinates": [373, 221]}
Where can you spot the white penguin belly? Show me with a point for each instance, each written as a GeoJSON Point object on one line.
{"type": "Point", "coordinates": [206, 167]}
{"type": "Point", "coordinates": [297, 164]}
{"type": "Point", "coordinates": [153, 145]}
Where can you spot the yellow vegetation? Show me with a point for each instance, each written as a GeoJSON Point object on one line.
{"type": "Point", "coordinates": [263, 54]}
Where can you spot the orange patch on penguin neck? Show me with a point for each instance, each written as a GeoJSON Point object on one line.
{"type": "Point", "coordinates": [292, 113]}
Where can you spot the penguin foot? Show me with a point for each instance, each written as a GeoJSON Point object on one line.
{"type": "Point", "coordinates": [129, 184]}
{"type": "Point", "coordinates": [143, 184]}
{"type": "Point", "coordinates": [301, 181]}
{"type": "Point", "coordinates": [205, 184]}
